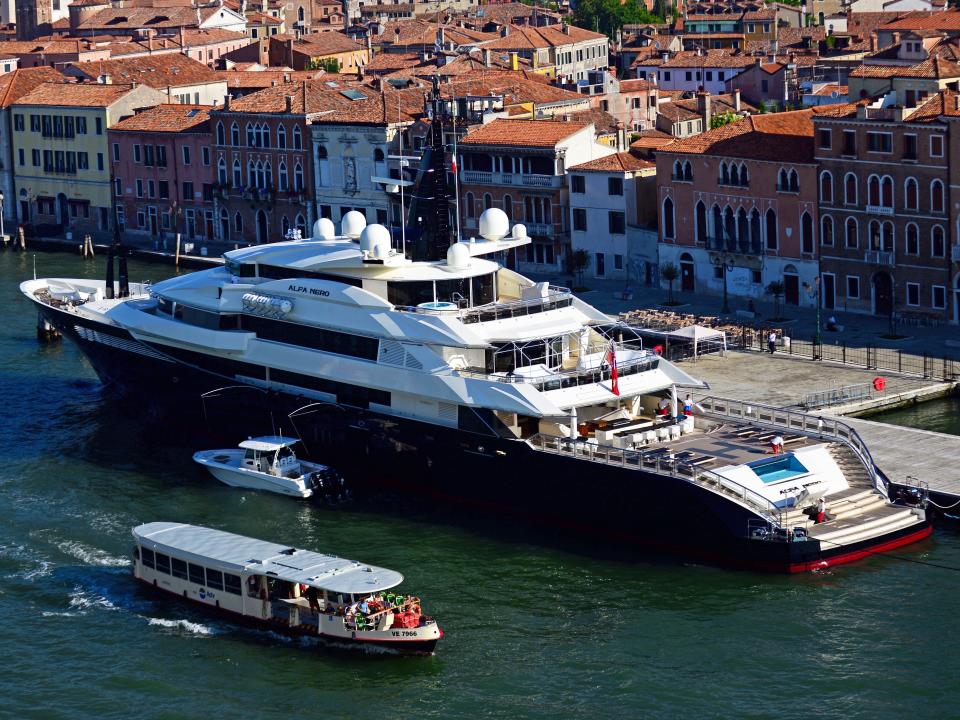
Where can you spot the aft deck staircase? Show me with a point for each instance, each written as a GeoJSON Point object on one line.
{"type": "Point", "coordinates": [858, 513]}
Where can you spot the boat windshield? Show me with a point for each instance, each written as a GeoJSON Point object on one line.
{"type": "Point", "coordinates": [285, 452]}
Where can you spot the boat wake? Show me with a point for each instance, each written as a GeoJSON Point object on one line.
{"type": "Point", "coordinates": [187, 626]}
{"type": "Point", "coordinates": [91, 555]}
{"type": "Point", "coordinates": [82, 600]}
{"type": "Point", "coordinates": [25, 563]}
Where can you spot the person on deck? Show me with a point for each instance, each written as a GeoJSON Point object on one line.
{"type": "Point", "coordinates": [663, 407]}
{"type": "Point", "coordinates": [821, 510]}
{"type": "Point", "coordinates": [776, 445]}
{"type": "Point", "coordinates": [772, 341]}
{"type": "Point", "coordinates": [688, 406]}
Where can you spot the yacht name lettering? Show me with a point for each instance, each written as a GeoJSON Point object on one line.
{"type": "Point", "coordinates": [309, 291]}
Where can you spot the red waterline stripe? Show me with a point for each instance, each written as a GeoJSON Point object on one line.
{"type": "Point", "coordinates": [863, 552]}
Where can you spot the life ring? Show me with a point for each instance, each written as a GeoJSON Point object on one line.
{"type": "Point", "coordinates": [879, 383]}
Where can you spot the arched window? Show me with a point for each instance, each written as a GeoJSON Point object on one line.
{"type": "Point", "coordinates": [252, 174]}
{"type": "Point", "coordinates": [321, 151]}
{"type": "Point", "coordinates": [282, 177]}
{"type": "Point", "coordinates": [221, 134]}
{"type": "Point", "coordinates": [300, 15]}
{"type": "Point", "coordinates": [378, 155]}
{"type": "Point", "coordinates": [744, 177]}
{"type": "Point", "coordinates": [268, 175]}
{"type": "Point", "coordinates": [850, 189]}
{"type": "Point", "coordinates": [222, 171]}
{"type": "Point", "coordinates": [826, 231]}
{"type": "Point", "coordinates": [668, 218]}
{"type": "Point", "coordinates": [678, 170]}
{"type": "Point", "coordinates": [297, 138]}
{"type": "Point", "coordinates": [469, 202]}
{"type": "Point", "coordinates": [508, 207]}
{"type": "Point", "coordinates": [487, 201]}
{"type": "Point", "coordinates": [794, 181]}
{"type": "Point", "coordinates": [773, 239]}
{"type": "Point", "coordinates": [874, 235]}
{"type": "Point", "coordinates": [224, 224]}
{"type": "Point", "coordinates": [251, 135]}
{"type": "Point", "coordinates": [301, 225]}
{"type": "Point", "coordinates": [298, 177]}
{"type": "Point", "coordinates": [806, 233]}
{"type": "Point", "coordinates": [235, 135]}
{"type": "Point", "coordinates": [264, 135]}
{"type": "Point", "coordinates": [886, 191]}
{"type": "Point", "coordinates": [851, 233]}
{"type": "Point", "coordinates": [688, 171]}
{"type": "Point", "coordinates": [783, 181]}
{"type": "Point", "coordinates": [887, 237]}
{"type": "Point", "coordinates": [743, 230]}
{"type": "Point", "coordinates": [701, 213]}
{"type": "Point", "coordinates": [724, 174]}
{"type": "Point", "coordinates": [284, 225]}
{"type": "Point", "coordinates": [873, 191]}
{"type": "Point", "coordinates": [826, 187]}
{"type": "Point", "coordinates": [730, 228]}
{"type": "Point", "coordinates": [237, 176]}
{"type": "Point", "coordinates": [281, 137]}
{"type": "Point", "coordinates": [756, 239]}
{"type": "Point", "coordinates": [734, 175]}
{"type": "Point", "coordinates": [910, 194]}
{"type": "Point", "coordinates": [238, 223]}
{"type": "Point", "coordinates": [938, 245]}
{"type": "Point", "coordinates": [911, 239]}
{"type": "Point", "coordinates": [717, 228]}
{"type": "Point", "coordinates": [936, 196]}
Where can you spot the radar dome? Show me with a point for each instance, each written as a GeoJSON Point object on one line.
{"type": "Point", "coordinates": [519, 231]}
{"type": "Point", "coordinates": [458, 257]}
{"type": "Point", "coordinates": [353, 224]}
{"type": "Point", "coordinates": [494, 224]}
{"type": "Point", "coordinates": [323, 229]}
{"type": "Point", "coordinates": [375, 239]}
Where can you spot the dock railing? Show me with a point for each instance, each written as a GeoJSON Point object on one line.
{"type": "Point", "coordinates": [828, 428]}
{"type": "Point", "coordinates": [660, 462]}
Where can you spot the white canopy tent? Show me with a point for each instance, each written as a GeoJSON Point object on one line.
{"type": "Point", "coordinates": [701, 335]}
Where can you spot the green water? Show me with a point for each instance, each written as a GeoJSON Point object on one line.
{"type": "Point", "coordinates": [534, 628]}
{"type": "Point", "coordinates": [941, 415]}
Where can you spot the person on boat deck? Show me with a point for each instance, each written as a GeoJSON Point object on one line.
{"type": "Point", "coordinates": [776, 445]}
{"type": "Point", "coordinates": [331, 609]}
{"type": "Point", "coordinates": [364, 607]}
{"type": "Point", "coordinates": [313, 598]}
{"type": "Point", "coordinates": [663, 407]}
{"type": "Point", "coordinates": [688, 406]}
{"type": "Point", "coordinates": [821, 510]}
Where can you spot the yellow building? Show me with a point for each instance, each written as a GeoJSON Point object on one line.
{"type": "Point", "coordinates": [61, 166]}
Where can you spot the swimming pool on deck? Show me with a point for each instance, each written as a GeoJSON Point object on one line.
{"type": "Point", "coordinates": [782, 468]}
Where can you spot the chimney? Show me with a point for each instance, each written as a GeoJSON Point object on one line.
{"type": "Point", "coordinates": [703, 107]}
{"type": "Point", "coordinates": [514, 61]}
{"type": "Point", "coordinates": [486, 57]}
{"type": "Point", "coordinates": [369, 45]}
{"type": "Point", "coordinates": [289, 101]}
{"type": "Point", "coordinates": [505, 31]}
{"type": "Point", "coordinates": [873, 42]}
{"type": "Point", "coordinates": [736, 99]}
{"type": "Point", "coordinates": [105, 79]}
{"type": "Point", "coordinates": [183, 40]}
{"type": "Point", "coordinates": [290, 53]}
{"type": "Point", "coordinates": [566, 28]}
{"type": "Point", "coordinates": [621, 137]}
{"type": "Point", "coordinates": [226, 102]}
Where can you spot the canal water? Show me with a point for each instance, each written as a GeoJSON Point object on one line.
{"type": "Point", "coordinates": [941, 415]}
{"type": "Point", "coordinates": [536, 627]}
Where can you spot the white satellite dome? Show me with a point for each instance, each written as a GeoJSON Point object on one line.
{"type": "Point", "coordinates": [375, 239]}
{"type": "Point", "coordinates": [494, 224]}
{"type": "Point", "coordinates": [323, 229]}
{"type": "Point", "coordinates": [353, 224]}
{"type": "Point", "coordinates": [519, 231]}
{"type": "Point", "coordinates": [458, 257]}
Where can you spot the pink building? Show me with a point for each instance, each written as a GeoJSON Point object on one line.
{"type": "Point", "coordinates": [160, 164]}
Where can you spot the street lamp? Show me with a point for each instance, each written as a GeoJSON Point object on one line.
{"type": "Point", "coordinates": [814, 291]}
{"type": "Point", "coordinates": [725, 263]}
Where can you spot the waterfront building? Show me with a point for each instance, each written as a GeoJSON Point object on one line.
{"type": "Point", "coordinates": [181, 79]}
{"type": "Point", "coordinates": [162, 172]}
{"type": "Point", "coordinates": [566, 52]}
{"type": "Point", "coordinates": [61, 170]}
{"type": "Point", "coordinates": [13, 86]}
{"type": "Point", "coordinates": [204, 45]}
{"type": "Point", "coordinates": [520, 166]}
{"type": "Point", "coordinates": [695, 70]}
{"type": "Point", "coordinates": [884, 179]}
{"type": "Point", "coordinates": [608, 197]}
{"type": "Point", "coordinates": [738, 208]}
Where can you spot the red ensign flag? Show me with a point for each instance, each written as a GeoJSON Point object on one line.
{"type": "Point", "coordinates": [612, 361]}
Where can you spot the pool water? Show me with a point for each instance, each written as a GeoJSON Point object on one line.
{"type": "Point", "coordinates": [783, 468]}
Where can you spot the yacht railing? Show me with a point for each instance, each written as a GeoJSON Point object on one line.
{"type": "Point", "coordinates": [660, 462]}
{"type": "Point", "coordinates": [794, 420]}
{"type": "Point", "coordinates": [561, 379]}
{"type": "Point", "coordinates": [557, 297]}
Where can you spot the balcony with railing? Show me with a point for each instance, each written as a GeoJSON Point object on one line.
{"type": "Point", "coordinates": [555, 298]}
{"type": "Point", "coordinates": [880, 210]}
{"type": "Point", "coordinates": [880, 257]}
{"type": "Point", "coordinates": [741, 246]}
{"type": "Point", "coordinates": [483, 177]}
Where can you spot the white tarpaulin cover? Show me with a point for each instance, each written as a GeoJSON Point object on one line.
{"type": "Point", "coordinates": [699, 334]}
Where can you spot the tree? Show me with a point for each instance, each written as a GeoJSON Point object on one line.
{"type": "Point", "coordinates": [608, 16]}
{"type": "Point", "coordinates": [579, 261]}
{"type": "Point", "coordinates": [670, 273]}
{"type": "Point", "coordinates": [762, 107]}
{"type": "Point", "coordinates": [724, 118]}
{"type": "Point", "coordinates": [776, 288]}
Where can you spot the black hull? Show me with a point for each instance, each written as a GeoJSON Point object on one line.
{"type": "Point", "coordinates": [486, 472]}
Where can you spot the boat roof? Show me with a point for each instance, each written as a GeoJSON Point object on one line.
{"type": "Point", "coordinates": [249, 555]}
{"type": "Point", "coordinates": [266, 443]}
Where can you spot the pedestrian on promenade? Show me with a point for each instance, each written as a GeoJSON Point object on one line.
{"type": "Point", "coordinates": [772, 341]}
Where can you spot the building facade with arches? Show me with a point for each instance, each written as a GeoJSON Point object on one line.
{"type": "Point", "coordinates": [738, 206]}
{"type": "Point", "coordinates": [888, 235]}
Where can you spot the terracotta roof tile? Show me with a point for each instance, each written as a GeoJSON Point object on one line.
{"type": "Point", "coordinates": [522, 133]}
{"type": "Point", "coordinates": [324, 43]}
{"type": "Point", "coordinates": [14, 85]}
{"type": "Point", "coordinates": [618, 162]}
{"type": "Point", "coordinates": [712, 59]}
{"type": "Point", "coordinates": [786, 136]}
{"type": "Point", "coordinates": [940, 20]}
{"type": "Point", "coordinates": [524, 37]}
{"type": "Point", "coordinates": [75, 94]}
{"type": "Point", "coordinates": [169, 118]}
{"type": "Point", "coordinates": [156, 71]}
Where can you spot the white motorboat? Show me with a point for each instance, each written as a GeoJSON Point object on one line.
{"type": "Point", "coordinates": [283, 589]}
{"type": "Point", "coordinates": [270, 463]}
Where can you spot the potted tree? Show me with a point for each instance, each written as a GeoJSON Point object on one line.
{"type": "Point", "coordinates": [776, 288]}
{"type": "Point", "coordinates": [670, 273]}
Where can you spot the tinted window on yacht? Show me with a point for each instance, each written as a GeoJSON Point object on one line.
{"type": "Point", "coordinates": [146, 557]}
{"type": "Point", "coordinates": [163, 563]}
{"type": "Point", "coordinates": [231, 583]}
{"type": "Point", "coordinates": [274, 272]}
{"type": "Point", "coordinates": [455, 290]}
{"type": "Point", "coordinates": [312, 337]}
{"type": "Point", "coordinates": [214, 579]}
{"type": "Point", "coordinates": [178, 568]}
{"type": "Point", "coordinates": [164, 306]}
{"type": "Point", "coordinates": [346, 394]}
{"type": "Point", "coordinates": [196, 574]}
{"type": "Point", "coordinates": [410, 293]}
{"type": "Point", "coordinates": [248, 270]}
{"type": "Point", "coordinates": [200, 318]}
{"type": "Point", "coordinates": [484, 289]}
{"type": "Point", "coordinates": [211, 363]}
